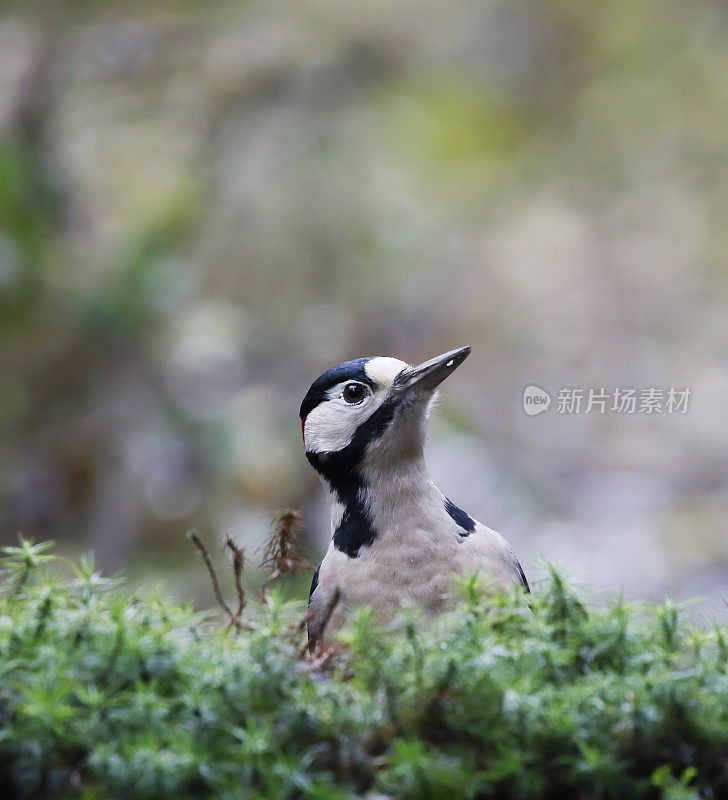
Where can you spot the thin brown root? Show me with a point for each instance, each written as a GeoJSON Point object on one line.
{"type": "Point", "coordinates": [195, 539]}
{"type": "Point", "coordinates": [238, 569]}
{"type": "Point", "coordinates": [275, 574]}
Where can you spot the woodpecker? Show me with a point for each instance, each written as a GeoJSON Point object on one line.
{"type": "Point", "coordinates": [395, 537]}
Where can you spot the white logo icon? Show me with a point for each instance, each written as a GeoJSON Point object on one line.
{"type": "Point", "coordinates": [535, 400]}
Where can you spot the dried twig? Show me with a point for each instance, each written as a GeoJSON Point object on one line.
{"type": "Point", "coordinates": [314, 639]}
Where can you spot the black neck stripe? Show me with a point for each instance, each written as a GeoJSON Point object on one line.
{"type": "Point", "coordinates": [342, 471]}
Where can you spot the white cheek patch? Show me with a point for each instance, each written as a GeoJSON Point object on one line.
{"type": "Point", "coordinates": [383, 370]}
{"type": "Point", "coordinates": [332, 424]}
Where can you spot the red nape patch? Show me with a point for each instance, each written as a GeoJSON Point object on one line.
{"type": "Point", "coordinates": [303, 430]}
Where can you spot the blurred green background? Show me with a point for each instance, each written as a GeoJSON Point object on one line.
{"type": "Point", "coordinates": [205, 205]}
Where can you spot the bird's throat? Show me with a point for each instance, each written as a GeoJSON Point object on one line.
{"type": "Point", "coordinates": [379, 505]}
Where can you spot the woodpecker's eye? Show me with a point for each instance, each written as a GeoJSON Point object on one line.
{"type": "Point", "coordinates": [353, 393]}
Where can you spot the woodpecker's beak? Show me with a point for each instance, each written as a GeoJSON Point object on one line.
{"type": "Point", "coordinates": [430, 373]}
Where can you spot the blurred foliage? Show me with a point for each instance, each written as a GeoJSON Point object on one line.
{"type": "Point", "coordinates": [105, 695]}
{"type": "Point", "coordinates": [202, 206]}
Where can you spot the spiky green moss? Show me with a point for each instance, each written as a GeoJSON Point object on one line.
{"type": "Point", "coordinates": [105, 696]}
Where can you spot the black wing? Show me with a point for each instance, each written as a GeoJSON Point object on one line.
{"type": "Point", "coordinates": [309, 631]}
{"type": "Point", "coordinates": [314, 582]}
{"type": "Point", "coordinates": [521, 575]}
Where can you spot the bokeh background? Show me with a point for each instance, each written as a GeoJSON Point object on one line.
{"type": "Point", "coordinates": [204, 205]}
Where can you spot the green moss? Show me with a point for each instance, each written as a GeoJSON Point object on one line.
{"type": "Point", "coordinates": [105, 696]}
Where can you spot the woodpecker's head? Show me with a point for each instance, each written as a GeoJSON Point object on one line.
{"type": "Point", "coordinates": [373, 408]}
